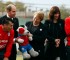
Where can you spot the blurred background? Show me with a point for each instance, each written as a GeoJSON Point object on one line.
{"type": "Point", "coordinates": [26, 8]}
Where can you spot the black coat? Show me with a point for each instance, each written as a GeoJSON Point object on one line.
{"type": "Point", "coordinates": [38, 38]}
{"type": "Point", "coordinates": [55, 31]}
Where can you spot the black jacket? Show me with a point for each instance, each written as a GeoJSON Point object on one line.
{"type": "Point", "coordinates": [55, 30]}
{"type": "Point", "coordinates": [16, 24]}
{"type": "Point", "coordinates": [38, 36]}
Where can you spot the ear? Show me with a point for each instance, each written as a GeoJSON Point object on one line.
{"type": "Point", "coordinates": [18, 29]}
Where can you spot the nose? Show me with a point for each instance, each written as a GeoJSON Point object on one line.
{"type": "Point", "coordinates": [28, 32]}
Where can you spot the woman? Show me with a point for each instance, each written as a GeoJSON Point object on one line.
{"type": "Point", "coordinates": [56, 35]}
{"type": "Point", "coordinates": [37, 29]}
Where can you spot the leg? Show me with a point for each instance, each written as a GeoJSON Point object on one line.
{"type": "Point", "coordinates": [13, 53]}
{"type": "Point", "coordinates": [25, 54]}
{"type": "Point", "coordinates": [32, 52]}
{"type": "Point", "coordinates": [68, 52]}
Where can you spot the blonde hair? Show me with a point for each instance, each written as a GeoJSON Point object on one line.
{"type": "Point", "coordinates": [40, 14]}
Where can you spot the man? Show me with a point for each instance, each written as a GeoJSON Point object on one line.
{"type": "Point", "coordinates": [6, 38]}
{"type": "Point", "coordinates": [11, 12]}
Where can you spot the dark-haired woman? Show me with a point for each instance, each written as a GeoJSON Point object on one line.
{"type": "Point", "coordinates": [56, 35]}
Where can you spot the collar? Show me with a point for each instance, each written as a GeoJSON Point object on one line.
{"type": "Point", "coordinates": [9, 17]}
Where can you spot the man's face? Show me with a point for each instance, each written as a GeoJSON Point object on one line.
{"type": "Point", "coordinates": [9, 26]}
{"type": "Point", "coordinates": [12, 13]}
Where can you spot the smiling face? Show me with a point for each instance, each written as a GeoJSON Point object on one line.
{"type": "Point", "coordinates": [56, 16]}
{"type": "Point", "coordinates": [11, 10]}
{"type": "Point", "coordinates": [38, 17]}
{"type": "Point", "coordinates": [7, 24]}
{"type": "Point", "coordinates": [8, 27]}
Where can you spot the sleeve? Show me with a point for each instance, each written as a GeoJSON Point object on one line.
{"type": "Point", "coordinates": [9, 44]}
{"type": "Point", "coordinates": [67, 26]}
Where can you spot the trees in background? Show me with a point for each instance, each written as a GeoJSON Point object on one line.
{"type": "Point", "coordinates": [19, 5]}
{"type": "Point", "coordinates": [64, 11]}
{"type": "Point", "coordinates": [21, 8]}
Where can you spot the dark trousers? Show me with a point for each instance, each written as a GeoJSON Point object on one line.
{"type": "Point", "coordinates": [13, 53]}
{"type": "Point", "coordinates": [2, 54]}
{"type": "Point", "coordinates": [52, 53]}
{"type": "Point", "coordinates": [68, 52]}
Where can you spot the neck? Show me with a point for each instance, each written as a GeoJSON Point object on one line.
{"type": "Point", "coordinates": [35, 24]}
{"type": "Point", "coordinates": [55, 21]}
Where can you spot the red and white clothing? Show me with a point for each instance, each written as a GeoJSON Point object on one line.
{"type": "Point", "coordinates": [6, 41]}
{"type": "Point", "coordinates": [67, 30]}
{"type": "Point", "coordinates": [26, 40]}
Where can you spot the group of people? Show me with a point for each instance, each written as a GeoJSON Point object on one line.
{"type": "Point", "coordinates": [48, 38]}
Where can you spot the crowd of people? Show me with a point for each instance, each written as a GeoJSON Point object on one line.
{"type": "Point", "coordinates": [48, 37]}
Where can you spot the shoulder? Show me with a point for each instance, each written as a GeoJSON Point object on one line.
{"type": "Point", "coordinates": [12, 31]}
{"type": "Point", "coordinates": [28, 23]}
{"type": "Point", "coordinates": [47, 21]}
{"type": "Point", "coordinates": [67, 19]}
{"type": "Point", "coordinates": [15, 19]}
{"type": "Point", "coordinates": [61, 21]}
{"type": "Point", "coordinates": [3, 17]}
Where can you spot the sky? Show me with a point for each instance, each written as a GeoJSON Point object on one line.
{"type": "Point", "coordinates": [44, 3]}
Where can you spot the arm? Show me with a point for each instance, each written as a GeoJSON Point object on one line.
{"type": "Point", "coordinates": [67, 26]}
{"type": "Point", "coordinates": [9, 44]}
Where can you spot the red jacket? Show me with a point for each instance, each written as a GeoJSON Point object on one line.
{"type": "Point", "coordinates": [67, 30]}
{"type": "Point", "coordinates": [6, 41]}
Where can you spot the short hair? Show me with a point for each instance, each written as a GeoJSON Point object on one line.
{"type": "Point", "coordinates": [53, 11]}
{"type": "Point", "coordinates": [9, 7]}
{"type": "Point", "coordinates": [6, 21]}
{"type": "Point", "coordinates": [40, 14]}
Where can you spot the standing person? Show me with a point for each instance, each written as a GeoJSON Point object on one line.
{"type": "Point", "coordinates": [56, 35]}
{"type": "Point", "coordinates": [67, 30]}
{"type": "Point", "coordinates": [6, 38]}
{"type": "Point", "coordinates": [11, 12]}
{"type": "Point", "coordinates": [37, 29]}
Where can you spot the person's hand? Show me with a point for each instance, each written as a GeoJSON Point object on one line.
{"type": "Point", "coordinates": [57, 42]}
{"type": "Point", "coordinates": [30, 35]}
{"type": "Point", "coordinates": [46, 41]}
{"type": "Point", "coordinates": [19, 40]}
{"type": "Point", "coordinates": [5, 58]}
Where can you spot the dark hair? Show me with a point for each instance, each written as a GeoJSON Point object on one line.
{"type": "Point", "coordinates": [6, 21]}
{"type": "Point", "coordinates": [53, 11]}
